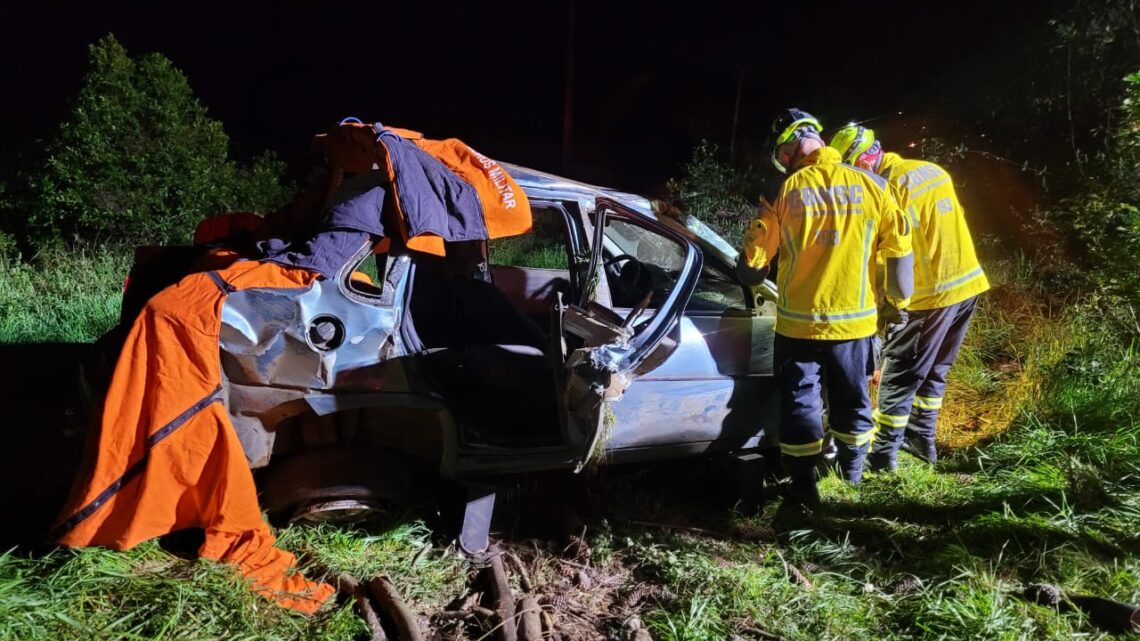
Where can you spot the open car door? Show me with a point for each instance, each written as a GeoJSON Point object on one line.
{"type": "Point", "coordinates": [600, 350]}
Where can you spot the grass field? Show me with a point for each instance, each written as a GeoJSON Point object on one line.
{"type": "Point", "coordinates": [1041, 482]}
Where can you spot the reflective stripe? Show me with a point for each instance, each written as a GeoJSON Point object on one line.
{"type": "Point", "coordinates": [787, 234]}
{"type": "Point", "coordinates": [875, 178]}
{"type": "Point", "coordinates": [855, 440]}
{"type": "Point", "coordinates": [958, 281]}
{"type": "Point", "coordinates": [888, 420]}
{"type": "Point", "coordinates": [886, 434]}
{"type": "Point", "coordinates": [928, 402]}
{"type": "Point", "coordinates": [134, 470]}
{"type": "Point", "coordinates": [866, 257]}
{"type": "Point", "coordinates": [824, 318]}
{"type": "Point", "coordinates": [221, 283]}
{"type": "Point", "coordinates": [806, 449]}
{"type": "Point", "coordinates": [930, 186]}
{"type": "Point", "coordinates": [923, 252]}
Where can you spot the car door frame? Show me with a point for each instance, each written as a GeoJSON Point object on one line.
{"type": "Point", "coordinates": [592, 376]}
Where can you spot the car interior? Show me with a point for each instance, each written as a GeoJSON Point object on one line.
{"type": "Point", "coordinates": [484, 315]}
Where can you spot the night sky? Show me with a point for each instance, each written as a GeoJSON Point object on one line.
{"type": "Point", "coordinates": [649, 82]}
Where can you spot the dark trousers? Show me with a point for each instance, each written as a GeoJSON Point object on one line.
{"type": "Point", "coordinates": [803, 368]}
{"type": "Point", "coordinates": [916, 361]}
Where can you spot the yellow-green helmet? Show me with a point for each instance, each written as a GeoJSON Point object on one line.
{"type": "Point", "coordinates": [852, 141]}
{"type": "Point", "coordinates": [788, 126]}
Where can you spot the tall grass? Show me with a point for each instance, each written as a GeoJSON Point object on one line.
{"type": "Point", "coordinates": [144, 594]}
{"type": "Point", "coordinates": [148, 593]}
{"type": "Point", "coordinates": [1041, 483]}
{"type": "Point", "coordinates": [1045, 488]}
{"type": "Point", "coordinates": [62, 297]}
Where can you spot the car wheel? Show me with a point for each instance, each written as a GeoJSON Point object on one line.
{"type": "Point", "coordinates": [334, 484]}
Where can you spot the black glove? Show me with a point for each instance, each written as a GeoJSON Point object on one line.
{"type": "Point", "coordinates": [891, 320]}
{"type": "Point", "coordinates": [749, 276]}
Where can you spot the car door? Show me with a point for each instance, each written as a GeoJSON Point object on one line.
{"type": "Point", "coordinates": [716, 388]}
{"type": "Point", "coordinates": [607, 351]}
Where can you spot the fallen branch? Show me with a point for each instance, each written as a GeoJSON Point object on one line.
{"type": "Point", "coordinates": [573, 564]}
{"type": "Point", "coordinates": [797, 577]}
{"type": "Point", "coordinates": [502, 601]}
{"type": "Point", "coordinates": [683, 528]}
{"type": "Point", "coordinates": [348, 585]}
{"type": "Point", "coordinates": [530, 623]}
{"type": "Point", "coordinates": [474, 611]}
{"type": "Point", "coordinates": [1111, 616]}
{"type": "Point", "coordinates": [391, 604]}
{"type": "Point", "coordinates": [524, 577]}
{"type": "Point", "coordinates": [548, 626]}
{"type": "Point", "coordinates": [763, 634]}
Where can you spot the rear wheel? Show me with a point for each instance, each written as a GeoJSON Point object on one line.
{"type": "Point", "coordinates": [335, 484]}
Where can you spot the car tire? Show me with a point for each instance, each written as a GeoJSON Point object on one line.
{"type": "Point", "coordinates": [334, 484]}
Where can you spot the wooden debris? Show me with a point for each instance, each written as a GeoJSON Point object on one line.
{"type": "Point", "coordinates": [797, 577]}
{"type": "Point", "coordinates": [474, 611]}
{"type": "Point", "coordinates": [764, 634]}
{"type": "Point", "coordinates": [502, 601]}
{"type": "Point", "coordinates": [524, 576]}
{"type": "Point", "coordinates": [347, 584]}
{"type": "Point", "coordinates": [530, 621]}
{"type": "Point", "coordinates": [394, 607]}
{"type": "Point", "coordinates": [548, 631]}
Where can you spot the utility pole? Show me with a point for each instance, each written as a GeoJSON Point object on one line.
{"type": "Point", "coordinates": [735, 118]}
{"type": "Point", "coordinates": [568, 90]}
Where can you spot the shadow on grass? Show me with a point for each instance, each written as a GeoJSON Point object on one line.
{"type": "Point", "coordinates": [43, 433]}
{"type": "Point", "coordinates": [1011, 525]}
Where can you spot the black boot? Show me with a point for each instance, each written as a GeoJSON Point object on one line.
{"type": "Point", "coordinates": [804, 488]}
{"type": "Point", "coordinates": [801, 497]}
{"type": "Point", "coordinates": [921, 446]}
{"type": "Point", "coordinates": [883, 456]}
{"type": "Point", "coordinates": [850, 461]}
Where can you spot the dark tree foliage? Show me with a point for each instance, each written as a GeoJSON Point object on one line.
{"type": "Point", "coordinates": [138, 160]}
{"type": "Point", "coordinates": [1068, 120]}
{"type": "Point", "coordinates": [723, 196]}
{"type": "Point", "coordinates": [1103, 219]}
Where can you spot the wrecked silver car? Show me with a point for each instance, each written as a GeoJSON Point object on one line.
{"type": "Point", "coordinates": [610, 333]}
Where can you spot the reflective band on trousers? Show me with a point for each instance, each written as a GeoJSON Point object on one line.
{"type": "Point", "coordinates": [928, 402]}
{"type": "Point", "coordinates": [854, 440]}
{"type": "Point", "coordinates": [806, 449]}
{"type": "Point", "coordinates": [887, 420]}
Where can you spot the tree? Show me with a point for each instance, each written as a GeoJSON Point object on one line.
{"type": "Point", "coordinates": [139, 160]}
{"type": "Point", "coordinates": [716, 193]}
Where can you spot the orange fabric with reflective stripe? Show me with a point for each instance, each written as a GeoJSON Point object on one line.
{"type": "Point", "coordinates": [506, 209]}
{"type": "Point", "coordinates": [197, 475]}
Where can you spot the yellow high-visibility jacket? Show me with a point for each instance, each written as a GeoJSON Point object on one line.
{"type": "Point", "coordinates": [946, 268]}
{"type": "Point", "coordinates": [829, 223]}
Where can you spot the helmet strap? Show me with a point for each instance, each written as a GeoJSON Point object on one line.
{"type": "Point", "coordinates": [854, 142]}
{"type": "Point", "coordinates": [804, 133]}
{"type": "Point", "coordinates": [873, 157]}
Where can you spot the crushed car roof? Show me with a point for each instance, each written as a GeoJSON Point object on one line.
{"type": "Point", "coordinates": [544, 185]}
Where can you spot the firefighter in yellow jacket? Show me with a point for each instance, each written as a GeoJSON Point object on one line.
{"type": "Point", "coordinates": [828, 224]}
{"type": "Point", "coordinates": [947, 281]}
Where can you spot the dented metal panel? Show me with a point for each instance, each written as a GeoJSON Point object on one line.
{"type": "Point", "coordinates": [280, 347]}
{"type": "Point", "coordinates": [268, 335]}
